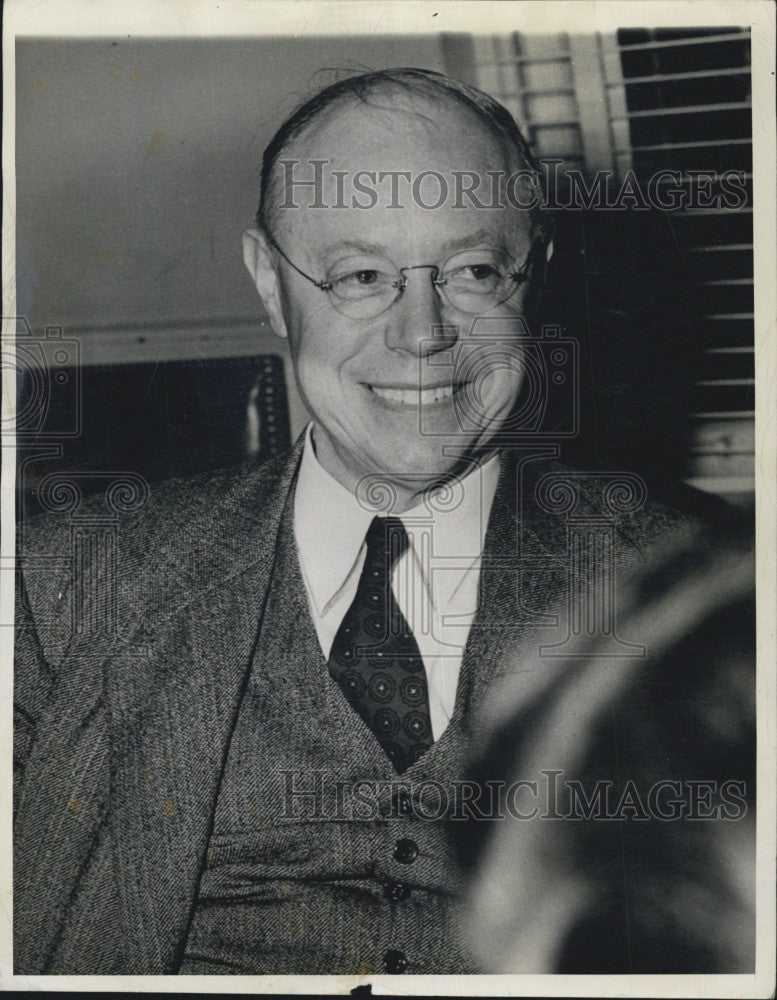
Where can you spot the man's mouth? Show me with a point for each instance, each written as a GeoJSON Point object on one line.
{"type": "Point", "coordinates": [414, 396]}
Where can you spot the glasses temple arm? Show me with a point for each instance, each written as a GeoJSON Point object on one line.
{"type": "Point", "coordinates": [325, 286]}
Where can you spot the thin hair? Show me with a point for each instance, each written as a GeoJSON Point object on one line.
{"type": "Point", "coordinates": [426, 83]}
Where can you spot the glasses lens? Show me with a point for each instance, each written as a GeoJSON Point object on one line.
{"type": "Point", "coordinates": [478, 280]}
{"type": "Point", "coordinates": [473, 281]}
{"type": "Point", "coordinates": [363, 287]}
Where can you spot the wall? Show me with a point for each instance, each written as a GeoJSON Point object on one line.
{"type": "Point", "coordinates": [138, 164]}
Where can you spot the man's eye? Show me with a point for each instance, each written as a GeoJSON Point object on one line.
{"type": "Point", "coordinates": [475, 274]}
{"type": "Point", "coordinates": [482, 272]}
{"type": "Point", "coordinates": [365, 281]}
{"type": "Point", "coordinates": [364, 277]}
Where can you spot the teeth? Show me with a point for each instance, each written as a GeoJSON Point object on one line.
{"type": "Point", "coordinates": [414, 397]}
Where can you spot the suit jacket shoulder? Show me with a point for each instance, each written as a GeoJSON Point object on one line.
{"type": "Point", "coordinates": [109, 572]}
{"type": "Point", "coordinates": [137, 556]}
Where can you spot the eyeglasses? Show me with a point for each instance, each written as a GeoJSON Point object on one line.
{"type": "Point", "coordinates": [470, 281]}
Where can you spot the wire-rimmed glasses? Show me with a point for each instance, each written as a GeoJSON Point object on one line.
{"type": "Point", "coordinates": [471, 281]}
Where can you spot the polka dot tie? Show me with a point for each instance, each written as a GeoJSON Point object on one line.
{"type": "Point", "coordinates": [375, 658]}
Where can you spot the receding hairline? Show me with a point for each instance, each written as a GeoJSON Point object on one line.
{"type": "Point", "coordinates": [409, 85]}
{"type": "Point", "coordinates": [403, 105]}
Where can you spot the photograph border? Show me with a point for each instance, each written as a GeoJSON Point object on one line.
{"type": "Point", "coordinates": [53, 19]}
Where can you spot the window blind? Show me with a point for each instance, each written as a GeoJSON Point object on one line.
{"type": "Point", "coordinates": [650, 100]}
{"type": "Point", "coordinates": [688, 106]}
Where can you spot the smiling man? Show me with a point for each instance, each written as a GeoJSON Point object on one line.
{"type": "Point", "coordinates": [393, 309]}
{"type": "Point", "coordinates": [372, 290]}
{"type": "Point", "coordinates": [251, 769]}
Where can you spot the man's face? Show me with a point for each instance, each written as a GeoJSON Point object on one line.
{"type": "Point", "coordinates": [419, 390]}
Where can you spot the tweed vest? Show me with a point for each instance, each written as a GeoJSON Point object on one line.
{"type": "Point", "coordinates": [321, 858]}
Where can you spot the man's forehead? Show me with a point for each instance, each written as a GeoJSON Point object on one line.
{"type": "Point", "coordinates": [387, 175]}
{"type": "Point", "coordinates": [406, 237]}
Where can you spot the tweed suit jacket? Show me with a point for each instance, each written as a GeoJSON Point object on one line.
{"type": "Point", "coordinates": [123, 715]}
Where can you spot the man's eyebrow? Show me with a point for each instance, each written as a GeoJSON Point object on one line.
{"type": "Point", "coordinates": [359, 245]}
{"type": "Point", "coordinates": [479, 236]}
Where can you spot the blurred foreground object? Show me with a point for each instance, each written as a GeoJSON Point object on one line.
{"type": "Point", "coordinates": [636, 776]}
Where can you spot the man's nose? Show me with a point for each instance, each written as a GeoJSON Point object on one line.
{"type": "Point", "coordinates": [416, 324]}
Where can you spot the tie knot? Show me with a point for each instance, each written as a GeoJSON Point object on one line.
{"type": "Point", "coordinates": [386, 541]}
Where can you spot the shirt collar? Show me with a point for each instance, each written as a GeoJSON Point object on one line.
{"type": "Point", "coordinates": [330, 525]}
{"type": "Point", "coordinates": [459, 513]}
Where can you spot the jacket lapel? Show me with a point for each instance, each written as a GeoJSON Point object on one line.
{"type": "Point", "coordinates": [174, 693]}
{"type": "Point", "coordinates": [522, 573]}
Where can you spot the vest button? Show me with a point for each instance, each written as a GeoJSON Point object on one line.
{"type": "Point", "coordinates": [405, 851]}
{"type": "Point", "coordinates": [394, 962]}
{"type": "Point", "coordinates": [396, 891]}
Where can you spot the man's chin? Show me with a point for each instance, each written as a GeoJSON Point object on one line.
{"type": "Point", "coordinates": [410, 474]}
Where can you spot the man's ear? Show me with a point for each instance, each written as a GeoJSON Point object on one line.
{"type": "Point", "coordinates": [257, 256]}
{"type": "Point", "coordinates": [549, 251]}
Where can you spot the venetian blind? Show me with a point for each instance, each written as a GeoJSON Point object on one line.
{"type": "Point", "coordinates": [645, 101]}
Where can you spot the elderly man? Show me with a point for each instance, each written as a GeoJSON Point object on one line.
{"type": "Point", "coordinates": [252, 772]}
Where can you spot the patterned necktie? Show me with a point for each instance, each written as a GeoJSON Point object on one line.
{"type": "Point", "coordinates": [375, 658]}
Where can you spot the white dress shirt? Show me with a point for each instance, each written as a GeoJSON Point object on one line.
{"type": "Point", "coordinates": [435, 581]}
